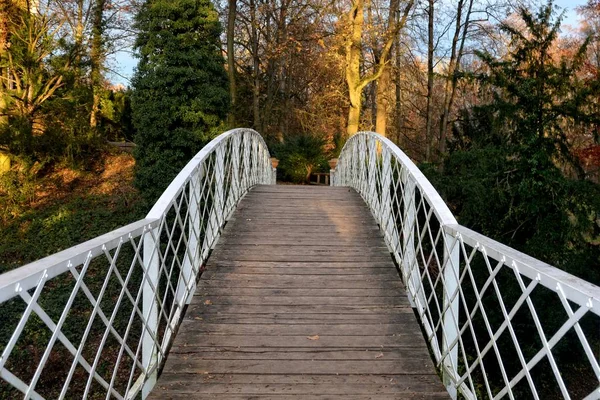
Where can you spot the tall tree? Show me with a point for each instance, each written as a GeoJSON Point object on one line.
{"type": "Point", "coordinates": [355, 81]}
{"type": "Point", "coordinates": [180, 95]}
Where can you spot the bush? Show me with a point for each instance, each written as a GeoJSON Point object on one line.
{"type": "Point", "coordinates": [300, 156]}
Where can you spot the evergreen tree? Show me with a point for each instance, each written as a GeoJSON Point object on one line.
{"type": "Point", "coordinates": [515, 150]}
{"type": "Point", "coordinates": [180, 95]}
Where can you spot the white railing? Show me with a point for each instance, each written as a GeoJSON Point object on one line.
{"type": "Point", "coordinates": [500, 324]}
{"type": "Point", "coordinates": [97, 320]}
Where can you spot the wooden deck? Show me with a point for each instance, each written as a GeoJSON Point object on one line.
{"type": "Point", "coordinates": [300, 300]}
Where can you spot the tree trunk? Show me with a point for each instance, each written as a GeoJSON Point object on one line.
{"type": "Point", "coordinates": [383, 103]}
{"type": "Point", "coordinates": [399, 118]}
{"type": "Point", "coordinates": [384, 82]}
{"type": "Point", "coordinates": [353, 117]}
{"type": "Point", "coordinates": [353, 54]}
{"type": "Point", "coordinates": [255, 66]}
{"type": "Point", "coordinates": [430, 76]}
{"type": "Point", "coordinates": [97, 56]}
{"type": "Point", "coordinates": [231, 60]}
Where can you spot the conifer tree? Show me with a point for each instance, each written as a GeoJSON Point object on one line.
{"type": "Point", "coordinates": [180, 95]}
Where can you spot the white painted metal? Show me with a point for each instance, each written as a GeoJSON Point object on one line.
{"type": "Point", "coordinates": [150, 269]}
{"type": "Point", "coordinates": [450, 272]}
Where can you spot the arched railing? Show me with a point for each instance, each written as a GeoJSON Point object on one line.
{"type": "Point", "coordinates": [500, 324]}
{"type": "Point", "coordinates": [98, 319]}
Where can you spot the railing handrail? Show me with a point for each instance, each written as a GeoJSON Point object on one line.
{"type": "Point", "coordinates": [451, 271]}
{"type": "Point", "coordinates": [153, 265]}
{"type": "Point", "coordinates": [579, 291]}
{"type": "Point", "coordinates": [171, 192]}
{"type": "Point", "coordinates": [583, 291]}
{"type": "Point", "coordinates": [28, 276]}
{"type": "Point", "coordinates": [440, 207]}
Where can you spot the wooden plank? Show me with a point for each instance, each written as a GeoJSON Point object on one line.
{"type": "Point", "coordinates": [190, 341]}
{"type": "Point", "coordinates": [304, 270]}
{"type": "Point", "coordinates": [302, 292]}
{"type": "Point", "coordinates": [299, 384]}
{"type": "Point", "coordinates": [300, 353]}
{"type": "Point", "coordinates": [305, 250]}
{"type": "Point", "coordinates": [398, 329]}
{"type": "Point", "coordinates": [301, 300]}
{"type": "Point", "coordinates": [300, 265]}
{"type": "Point", "coordinates": [297, 318]}
{"type": "Point", "coordinates": [316, 367]}
{"type": "Point", "coordinates": [268, 223]}
{"type": "Point", "coordinates": [229, 396]}
{"type": "Point", "coordinates": [284, 310]}
{"type": "Point", "coordinates": [363, 281]}
{"type": "Point", "coordinates": [291, 234]}
{"type": "Point", "coordinates": [333, 257]}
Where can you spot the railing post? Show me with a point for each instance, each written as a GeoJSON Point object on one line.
{"type": "Point", "coordinates": [274, 164]}
{"type": "Point", "coordinates": [451, 314]}
{"type": "Point", "coordinates": [388, 223]}
{"type": "Point", "coordinates": [411, 272]}
{"type": "Point", "coordinates": [332, 166]}
{"type": "Point", "coordinates": [372, 173]}
{"type": "Point", "coordinates": [192, 258]}
{"type": "Point", "coordinates": [151, 260]}
{"type": "Point", "coordinates": [216, 213]}
{"type": "Point", "coordinates": [234, 176]}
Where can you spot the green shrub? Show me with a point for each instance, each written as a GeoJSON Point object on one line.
{"type": "Point", "coordinates": [300, 156]}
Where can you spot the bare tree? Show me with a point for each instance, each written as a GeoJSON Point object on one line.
{"type": "Point", "coordinates": [460, 35]}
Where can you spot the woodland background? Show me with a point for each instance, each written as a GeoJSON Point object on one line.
{"type": "Point", "coordinates": [496, 103]}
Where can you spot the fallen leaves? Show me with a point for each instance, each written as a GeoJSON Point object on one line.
{"type": "Point", "coordinates": [316, 337]}
{"type": "Point", "coordinates": [207, 302]}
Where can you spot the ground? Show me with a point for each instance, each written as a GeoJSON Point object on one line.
{"type": "Point", "coordinates": [69, 206]}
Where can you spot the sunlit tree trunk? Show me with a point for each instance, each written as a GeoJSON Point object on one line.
{"type": "Point", "coordinates": [383, 101]}
{"type": "Point", "coordinates": [384, 82]}
{"type": "Point", "coordinates": [353, 53]}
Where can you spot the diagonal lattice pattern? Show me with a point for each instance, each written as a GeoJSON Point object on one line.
{"type": "Point", "coordinates": [500, 324]}
{"type": "Point", "coordinates": [97, 320]}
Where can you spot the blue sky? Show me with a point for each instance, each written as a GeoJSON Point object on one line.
{"type": "Point", "coordinates": [123, 62]}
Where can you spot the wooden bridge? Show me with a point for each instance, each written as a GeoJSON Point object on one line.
{"type": "Point", "coordinates": [301, 300]}
{"type": "Point", "coordinates": [235, 288]}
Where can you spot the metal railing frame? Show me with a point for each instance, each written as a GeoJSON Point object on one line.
{"type": "Point", "coordinates": [190, 214]}
{"type": "Point", "coordinates": [398, 194]}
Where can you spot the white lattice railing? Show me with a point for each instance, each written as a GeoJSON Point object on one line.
{"type": "Point", "coordinates": [97, 320]}
{"type": "Point", "coordinates": [500, 324]}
